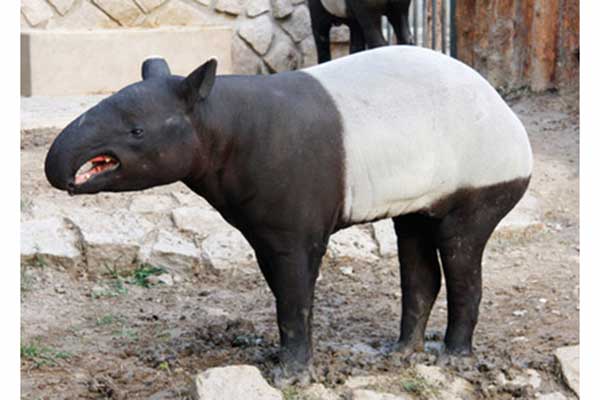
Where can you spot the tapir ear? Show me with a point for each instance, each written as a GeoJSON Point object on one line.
{"type": "Point", "coordinates": [154, 67]}
{"type": "Point", "coordinates": [197, 85]}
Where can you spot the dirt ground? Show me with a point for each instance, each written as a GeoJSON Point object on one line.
{"type": "Point", "coordinates": [132, 342]}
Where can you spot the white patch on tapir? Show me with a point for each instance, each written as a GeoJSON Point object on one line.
{"type": "Point", "coordinates": [418, 125]}
{"type": "Point", "coordinates": [81, 120]}
{"type": "Point", "coordinates": [335, 7]}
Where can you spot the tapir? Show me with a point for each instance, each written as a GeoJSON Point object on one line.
{"type": "Point", "coordinates": [363, 17]}
{"type": "Point", "coordinates": [396, 132]}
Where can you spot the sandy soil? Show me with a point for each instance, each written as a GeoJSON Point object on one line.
{"type": "Point", "coordinates": [130, 342]}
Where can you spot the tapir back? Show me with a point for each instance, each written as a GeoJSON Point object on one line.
{"type": "Point", "coordinates": [417, 127]}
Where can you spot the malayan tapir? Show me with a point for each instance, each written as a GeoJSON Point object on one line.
{"type": "Point", "coordinates": [363, 17]}
{"type": "Point", "coordinates": [397, 132]}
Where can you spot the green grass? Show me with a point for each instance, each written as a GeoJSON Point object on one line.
{"type": "Point", "coordinates": [41, 355]}
{"type": "Point", "coordinates": [143, 272]}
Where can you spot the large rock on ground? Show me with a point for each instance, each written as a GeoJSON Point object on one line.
{"type": "Point", "coordinates": [447, 388]}
{"type": "Point", "coordinates": [233, 383]}
{"type": "Point", "coordinates": [110, 240]}
{"type": "Point", "coordinates": [568, 360]}
{"type": "Point", "coordinates": [227, 252]}
{"type": "Point", "coordinates": [352, 244]}
{"type": "Point", "coordinates": [385, 236]}
{"type": "Point", "coordinates": [172, 252]}
{"type": "Point", "coordinates": [153, 204]}
{"type": "Point", "coordinates": [50, 242]}
{"type": "Point", "coordinates": [199, 221]}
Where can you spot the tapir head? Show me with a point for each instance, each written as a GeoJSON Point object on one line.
{"type": "Point", "coordinates": [141, 136]}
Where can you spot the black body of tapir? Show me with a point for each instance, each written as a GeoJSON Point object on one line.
{"type": "Point", "coordinates": [396, 132]}
{"type": "Point", "coordinates": [363, 17]}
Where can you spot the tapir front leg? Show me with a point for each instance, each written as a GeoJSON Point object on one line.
{"type": "Point", "coordinates": [291, 267]}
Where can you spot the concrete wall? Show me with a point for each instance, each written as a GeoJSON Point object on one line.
{"type": "Point", "coordinates": [269, 35]}
{"type": "Point", "coordinates": [521, 43]}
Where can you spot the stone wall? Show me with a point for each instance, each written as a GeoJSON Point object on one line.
{"type": "Point", "coordinates": [270, 35]}
{"type": "Point", "coordinates": [521, 43]}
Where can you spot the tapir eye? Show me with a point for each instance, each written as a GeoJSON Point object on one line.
{"type": "Point", "coordinates": [137, 132]}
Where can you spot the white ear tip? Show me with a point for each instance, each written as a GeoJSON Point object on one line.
{"type": "Point", "coordinates": [153, 56]}
{"type": "Point", "coordinates": [213, 58]}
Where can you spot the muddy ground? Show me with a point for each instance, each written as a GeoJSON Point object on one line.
{"type": "Point", "coordinates": [133, 342]}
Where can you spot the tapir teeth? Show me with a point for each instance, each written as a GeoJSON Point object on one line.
{"type": "Point", "coordinates": [94, 166]}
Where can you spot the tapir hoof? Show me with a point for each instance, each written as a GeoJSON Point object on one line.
{"type": "Point", "coordinates": [284, 376]}
{"type": "Point", "coordinates": [461, 360]}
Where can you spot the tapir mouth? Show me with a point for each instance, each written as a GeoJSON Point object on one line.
{"type": "Point", "coordinates": [97, 165]}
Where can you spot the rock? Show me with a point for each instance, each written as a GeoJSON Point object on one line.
{"type": "Point", "coordinates": [233, 383]}
{"type": "Point", "coordinates": [530, 378]}
{"type": "Point", "coordinates": [62, 6]}
{"type": "Point", "coordinates": [149, 5]}
{"type": "Point", "coordinates": [385, 236]}
{"type": "Point", "coordinates": [126, 12]}
{"type": "Point", "coordinates": [83, 17]}
{"type": "Point", "coordinates": [281, 8]}
{"type": "Point", "coordinates": [551, 396]}
{"type": "Point", "coordinates": [165, 279]}
{"type": "Point", "coordinates": [282, 57]}
{"type": "Point", "coordinates": [49, 242]}
{"type": "Point", "coordinates": [233, 7]}
{"type": "Point", "coordinates": [110, 241]}
{"type": "Point", "coordinates": [36, 11]}
{"type": "Point", "coordinates": [258, 32]}
{"type": "Point", "coordinates": [227, 251]}
{"type": "Point", "coordinates": [353, 244]}
{"type": "Point", "coordinates": [298, 25]}
{"type": "Point", "coordinates": [519, 313]}
{"type": "Point", "coordinates": [199, 221]}
{"type": "Point", "coordinates": [449, 388]}
{"type": "Point", "coordinates": [568, 361]}
{"type": "Point", "coordinates": [362, 394]}
{"type": "Point", "coordinates": [178, 12]}
{"type": "Point", "coordinates": [317, 391]}
{"type": "Point", "coordinates": [348, 271]}
{"type": "Point", "coordinates": [149, 204]}
{"type": "Point", "coordinates": [257, 7]}
{"type": "Point", "coordinates": [245, 61]}
{"type": "Point", "coordinates": [171, 252]}
{"type": "Point", "coordinates": [527, 213]}
{"type": "Point", "coordinates": [309, 52]}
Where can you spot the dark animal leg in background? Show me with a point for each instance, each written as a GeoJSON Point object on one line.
{"type": "Point", "coordinates": [357, 39]}
{"type": "Point", "coordinates": [369, 21]}
{"type": "Point", "coordinates": [398, 17]}
{"type": "Point", "coordinates": [291, 271]}
{"type": "Point", "coordinates": [420, 278]}
{"type": "Point", "coordinates": [321, 25]}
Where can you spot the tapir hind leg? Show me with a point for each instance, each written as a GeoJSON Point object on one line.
{"type": "Point", "coordinates": [462, 237]}
{"type": "Point", "coordinates": [290, 267]}
{"type": "Point", "coordinates": [420, 278]}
